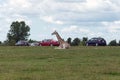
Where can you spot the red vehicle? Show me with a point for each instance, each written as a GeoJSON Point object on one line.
{"type": "Point", "coordinates": [49, 42]}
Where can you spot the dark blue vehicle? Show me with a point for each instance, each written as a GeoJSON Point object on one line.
{"type": "Point", "coordinates": [96, 42]}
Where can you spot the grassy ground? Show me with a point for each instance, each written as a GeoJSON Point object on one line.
{"type": "Point", "coordinates": [47, 63]}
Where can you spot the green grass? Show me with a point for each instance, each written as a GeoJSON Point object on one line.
{"type": "Point", "coordinates": [47, 63]}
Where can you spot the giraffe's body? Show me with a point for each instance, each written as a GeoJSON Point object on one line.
{"type": "Point", "coordinates": [63, 44]}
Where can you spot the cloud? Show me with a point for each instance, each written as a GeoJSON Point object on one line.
{"type": "Point", "coordinates": [70, 1]}
{"type": "Point", "coordinates": [102, 5]}
{"type": "Point", "coordinates": [75, 29]}
{"type": "Point", "coordinates": [112, 27]}
{"type": "Point", "coordinates": [15, 6]}
{"type": "Point", "coordinates": [19, 3]}
{"type": "Point", "coordinates": [83, 11]}
{"type": "Point", "coordinates": [65, 10]}
{"type": "Point", "coordinates": [50, 19]}
{"type": "Point", "coordinates": [81, 30]}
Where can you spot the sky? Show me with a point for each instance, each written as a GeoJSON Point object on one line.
{"type": "Point", "coordinates": [70, 18]}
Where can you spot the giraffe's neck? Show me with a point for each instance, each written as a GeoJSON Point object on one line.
{"type": "Point", "coordinates": [59, 38]}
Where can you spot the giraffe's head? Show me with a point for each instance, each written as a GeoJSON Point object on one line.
{"type": "Point", "coordinates": [55, 32]}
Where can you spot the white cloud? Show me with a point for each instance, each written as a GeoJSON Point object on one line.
{"type": "Point", "coordinates": [70, 29]}
{"type": "Point", "coordinates": [112, 27]}
{"type": "Point", "coordinates": [50, 19]}
{"type": "Point", "coordinates": [89, 10]}
{"type": "Point", "coordinates": [15, 6]}
{"type": "Point", "coordinates": [19, 3]}
{"type": "Point", "coordinates": [95, 4]}
{"type": "Point", "coordinates": [75, 29]}
{"type": "Point", "coordinates": [100, 5]}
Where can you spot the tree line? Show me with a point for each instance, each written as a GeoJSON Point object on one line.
{"type": "Point", "coordinates": [21, 31]}
{"type": "Point", "coordinates": [82, 42]}
{"type": "Point", "coordinates": [77, 41]}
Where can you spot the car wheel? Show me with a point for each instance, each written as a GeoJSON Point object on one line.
{"type": "Point", "coordinates": [51, 44]}
{"type": "Point", "coordinates": [96, 44]}
{"type": "Point", "coordinates": [87, 44]}
{"type": "Point", "coordinates": [40, 45]}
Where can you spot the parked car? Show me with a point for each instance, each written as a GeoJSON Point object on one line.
{"type": "Point", "coordinates": [49, 42]}
{"type": "Point", "coordinates": [96, 42]}
{"type": "Point", "coordinates": [34, 44]}
{"type": "Point", "coordinates": [22, 43]}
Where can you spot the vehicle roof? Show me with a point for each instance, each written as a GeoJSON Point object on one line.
{"type": "Point", "coordinates": [22, 41]}
{"type": "Point", "coordinates": [97, 38]}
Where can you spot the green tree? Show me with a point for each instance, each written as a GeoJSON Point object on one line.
{"type": "Point", "coordinates": [84, 40]}
{"type": "Point", "coordinates": [0, 42]}
{"type": "Point", "coordinates": [31, 41]}
{"type": "Point", "coordinates": [18, 31]}
{"type": "Point", "coordinates": [76, 42]}
{"type": "Point", "coordinates": [69, 40]}
{"type": "Point", "coordinates": [113, 43]}
{"type": "Point", "coordinates": [119, 43]}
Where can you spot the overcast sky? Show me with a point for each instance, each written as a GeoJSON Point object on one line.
{"type": "Point", "coordinates": [71, 18]}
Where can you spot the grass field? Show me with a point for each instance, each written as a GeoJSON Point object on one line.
{"type": "Point", "coordinates": [47, 63]}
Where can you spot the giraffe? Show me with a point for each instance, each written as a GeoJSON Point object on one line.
{"type": "Point", "coordinates": [63, 44]}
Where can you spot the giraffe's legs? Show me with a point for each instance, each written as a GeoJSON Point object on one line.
{"type": "Point", "coordinates": [63, 46]}
{"type": "Point", "coordinates": [60, 47]}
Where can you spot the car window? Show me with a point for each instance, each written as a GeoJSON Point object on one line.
{"type": "Point", "coordinates": [19, 42]}
{"type": "Point", "coordinates": [92, 39]}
